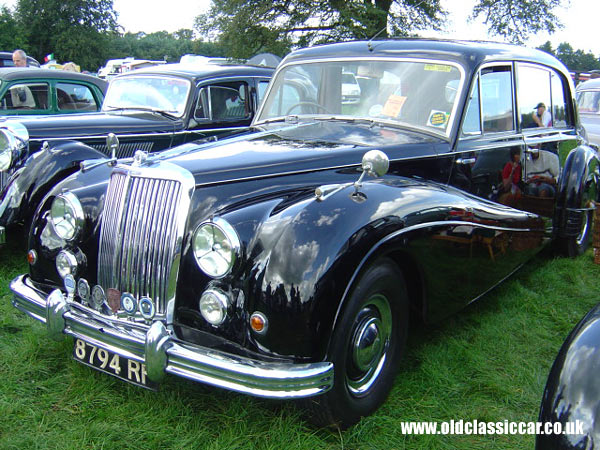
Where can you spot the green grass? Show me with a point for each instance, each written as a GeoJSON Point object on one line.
{"type": "Point", "coordinates": [488, 362]}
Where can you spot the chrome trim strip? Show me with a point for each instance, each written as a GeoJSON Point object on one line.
{"type": "Point", "coordinates": [145, 135]}
{"type": "Point", "coordinates": [164, 353]}
{"type": "Point", "coordinates": [2, 235]}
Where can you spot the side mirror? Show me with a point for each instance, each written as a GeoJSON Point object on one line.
{"type": "Point", "coordinates": [112, 144]}
{"type": "Point", "coordinates": [375, 163]}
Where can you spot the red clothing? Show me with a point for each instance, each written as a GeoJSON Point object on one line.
{"type": "Point", "coordinates": [516, 174]}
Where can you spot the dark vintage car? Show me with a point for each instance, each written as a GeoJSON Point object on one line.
{"type": "Point", "coordinates": [27, 91]}
{"type": "Point", "coordinates": [283, 263]}
{"type": "Point", "coordinates": [588, 103]}
{"type": "Point", "coordinates": [6, 60]}
{"type": "Point", "coordinates": [571, 401]}
{"type": "Point", "coordinates": [149, 109]}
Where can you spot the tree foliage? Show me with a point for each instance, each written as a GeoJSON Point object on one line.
{"type": "Point", "coordinates": [575, 60]}
{"type": "Point", "coordinates": [515, 20]}
{"type": "Point", "coordinates": [74, 30]}
{"type": "Point", "coordinates": [246, 28]}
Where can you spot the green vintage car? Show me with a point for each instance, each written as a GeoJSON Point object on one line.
{"type": "Point", "coordinates": [30, 90]}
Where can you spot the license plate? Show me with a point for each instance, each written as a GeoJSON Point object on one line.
{"type": "Point", "coordinates": [116, 365]}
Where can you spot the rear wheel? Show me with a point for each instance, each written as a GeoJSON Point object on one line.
{"type": "Point", "coordinates": [366, 347]}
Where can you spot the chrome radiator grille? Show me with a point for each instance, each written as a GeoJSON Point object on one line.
{"type": "Point", "coordinates": [142, 232]}
{"type": "Point", "coordinates": [126, 149]}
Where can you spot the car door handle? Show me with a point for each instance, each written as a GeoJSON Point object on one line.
{"type": "Point", "coordinates": [465, 160]}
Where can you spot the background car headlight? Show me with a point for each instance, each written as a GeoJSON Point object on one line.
{"type": "Point", "coordinates": [216, 247]}
{"type": "Point", "coordinates": [66, 215]}
{"type": "Point", "coordinates": [7, 144]}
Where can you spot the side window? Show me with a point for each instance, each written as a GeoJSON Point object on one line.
{"type": "Point", "coordinates": [534, 96]}
{"type": "Point", "coordinates": [26, 96]}
{"type": "Point", "coordinates": [497, 99]}
{"type": "Point", "coordinates": [224, 101]}
{"type": "Point", "coordinates": [262, 88]}
{"type": "Point", "coordinates": [75, 97]}
{"type": "Point", "coordinates": [559, 104]}
{"type": "Point", "coordinates": [472, 123]}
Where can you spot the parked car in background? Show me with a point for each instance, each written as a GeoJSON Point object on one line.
{"type": "Point", "coordinates": [350, 89]}
{"type": "Point", "coordinates": [283, 262]}
{"type": "Point", "coordinates": [588, 103]}
{"type": "Point", "coordinates": [32, 91]}
{"type": "Point", "coordinates": [571, 404]}
{"type": "Point", "coordinates": [148, 109]}
{"type": "Point", "coordinates": [7, 61]}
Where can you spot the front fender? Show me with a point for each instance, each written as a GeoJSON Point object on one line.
{"type": "Point", "coordinates": [306, 256]}
{"type": "Point", "coordinates": [41, 172]}
{"type": "Point", "coordinates": [577, 190]}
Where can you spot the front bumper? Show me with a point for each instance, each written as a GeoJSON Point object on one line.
{"type": "Point", "coordinates": [163, 353]}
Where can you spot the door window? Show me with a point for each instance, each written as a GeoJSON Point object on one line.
{"type": "Point", "coordinates": [71, 96]}
{"type": "Point", "coordinates": [497, 99]}
{"type": "Point", "coordinates": [223, 102]}
{"type": "Point", "coordinates": [26, 96]}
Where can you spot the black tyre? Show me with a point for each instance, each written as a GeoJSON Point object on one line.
{"type": "Point", "coordinates": [366, 348]}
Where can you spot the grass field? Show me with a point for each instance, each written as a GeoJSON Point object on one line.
{"type": "Point", "coordinates": [488, 362]}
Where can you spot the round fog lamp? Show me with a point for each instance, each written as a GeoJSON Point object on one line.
{"type": "Point", "coordinates": [66, 215]}
{"type": "Point", "coordinates": [216, 247]}
{"type": "Point", "coordinates": [66, 264]}
{"type": "Point", "coordinates": [213, 307]}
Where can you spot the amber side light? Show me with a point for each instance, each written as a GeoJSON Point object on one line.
{"type": "Point", "coordinates": [31, 257]}
{"type": "Point", "coordinates": [257, 323]}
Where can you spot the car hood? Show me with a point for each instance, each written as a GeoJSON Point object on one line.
{"type": "Point", "coordinates": [96, 124]}
{"type": "Point", "coordinates": [298, 148]}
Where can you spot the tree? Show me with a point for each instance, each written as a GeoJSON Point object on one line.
{"type": "Point", "coordinates": [74, 30]}
{"type": "Point", "coordinates": [245, 28]}
{"type": "Point", "coordinates": [10, 34]}
{"type": "Point", "coordinates": [515, 20]}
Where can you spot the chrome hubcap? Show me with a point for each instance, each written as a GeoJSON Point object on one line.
{"type": "Point", "coordinates": [369, 345]}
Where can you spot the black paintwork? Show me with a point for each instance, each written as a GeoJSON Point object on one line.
{"type": "Point", "coordinates": [148, 130]}
{"type": "Point", "coordinates": [572, 390]}
{"type": "Point", "coordinates": [437, 222]}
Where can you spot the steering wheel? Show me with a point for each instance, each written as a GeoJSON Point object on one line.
{"type": "Point", "coordinates": [307, 103]}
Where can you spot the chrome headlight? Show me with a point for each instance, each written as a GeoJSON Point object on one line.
{"type": "Point", "coordinates": [13, 137]}
{"type": "Point", "coordinates": [66, 215]}
{"type": "Point", "coordinates": [216, 247]}
{"type": "Point", "coordinates": [7, 145]}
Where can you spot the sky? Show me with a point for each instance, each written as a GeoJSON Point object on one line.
{"type": "Point", "coordinates": [580, 20]}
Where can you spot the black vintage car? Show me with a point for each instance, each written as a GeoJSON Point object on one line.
{"type": "Point", "coordinates": [149, 109]}
{"type": "Point", "coordinates": [571, 405]}
{"type": "Point", "coordinates": [283, 263]}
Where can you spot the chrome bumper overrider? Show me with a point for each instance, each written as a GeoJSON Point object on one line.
{"type": "Point", "coordinates": [163, 353]}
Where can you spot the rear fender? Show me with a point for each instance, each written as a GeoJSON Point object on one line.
{"type": "Point", "coordinates": [577, 190]}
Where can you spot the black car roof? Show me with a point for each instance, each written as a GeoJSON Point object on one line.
{"type": "Point", "coordinates": [25, 73]}
{"type": "Point", "coordinates": [201, 71]}
{"type": "Point", "coordinates": [468, 53]}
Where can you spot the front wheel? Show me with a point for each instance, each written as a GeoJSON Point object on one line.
{"type": "Point", "coordinates": [366, 347]}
